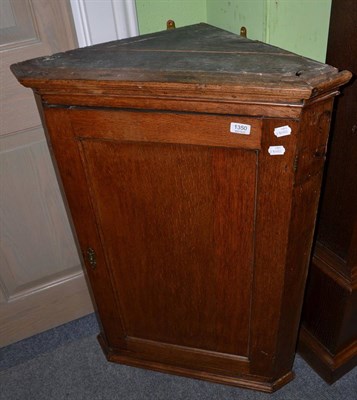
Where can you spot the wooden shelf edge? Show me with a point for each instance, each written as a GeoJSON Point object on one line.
{"type": "Point", "coordinates": [328, 262]}
{"type": "Point", "coordinates": [329, 366]}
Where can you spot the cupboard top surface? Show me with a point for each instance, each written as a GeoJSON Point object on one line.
{"type": "Point", "coordinates": [200, 55]}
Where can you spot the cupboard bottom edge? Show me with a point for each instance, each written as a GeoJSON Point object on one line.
{"type": "Point", "coordinates": [245, 381]}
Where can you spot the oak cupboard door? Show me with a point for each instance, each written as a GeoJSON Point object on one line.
{"type": "Point", "coordinates": [176, 222]}
{"type": "Point", "coordinates": [41, 280]}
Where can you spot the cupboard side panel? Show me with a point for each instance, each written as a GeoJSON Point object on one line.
{"type": "Point", "coordinates": [311, 150]}
{"type": "Point", "coordinates": [303, 217]}
{"type": "Point", "coordinates": [72, 178]}
{"type": "Point", "coordinates": [274, 198]}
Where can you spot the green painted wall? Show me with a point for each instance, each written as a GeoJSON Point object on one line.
{"type": "Point", "coordinates": [232, 14]}
{"type": "Point", "coordinates": [300, 26]}
{"type": "Point", "coordinates": [153, 14]}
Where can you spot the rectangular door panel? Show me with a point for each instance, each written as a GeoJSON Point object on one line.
{"type": "Point", "coordinates": [179, 239]}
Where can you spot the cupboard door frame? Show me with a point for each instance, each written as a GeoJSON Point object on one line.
{"type": "Point", "coordinates": [285, 211]}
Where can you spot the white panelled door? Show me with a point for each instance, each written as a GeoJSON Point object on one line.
{"type": "Point", "coordinates": [41, 280]}
{"type": "Point", "coordinates": [99, 21]}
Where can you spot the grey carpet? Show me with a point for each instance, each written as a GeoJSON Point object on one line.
{"type": "Point", "coordinates": [67, 363]}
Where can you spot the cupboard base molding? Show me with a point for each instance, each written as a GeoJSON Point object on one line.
{"type": "Point", "coordinates": [245, 381]}
{"type": "Point", "coordinates": [329, 366]}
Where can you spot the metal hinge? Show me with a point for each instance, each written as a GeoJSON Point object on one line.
{"type": "Point", "coordinates": [295, 165]}
{"type": "Point", "coordinates": [92, 257]}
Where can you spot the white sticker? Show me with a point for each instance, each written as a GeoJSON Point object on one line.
{"type": "Point", "coordinates": [276, 150]}
{"type": "Point", "coordinates": [282, 131]}
{"type": "Point", "coordinates": [242, 129]}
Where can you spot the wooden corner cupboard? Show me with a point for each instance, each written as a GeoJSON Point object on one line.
{"type": "Point", "coordinates": [191, 160]}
